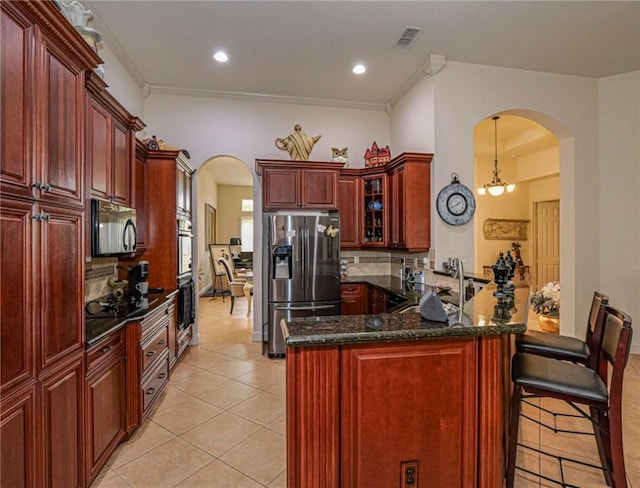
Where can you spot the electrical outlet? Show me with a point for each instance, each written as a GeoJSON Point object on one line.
{"type": "Point", "coordinates": [409, 474]}
{"type": "Point", "coordinates": [356, 259]}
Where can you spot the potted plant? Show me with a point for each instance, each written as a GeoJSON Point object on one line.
{"type": "Point", "coordinates": [546, 303]}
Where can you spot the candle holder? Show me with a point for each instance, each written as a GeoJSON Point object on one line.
{"type": "Point", "coordinates": [502, 311]}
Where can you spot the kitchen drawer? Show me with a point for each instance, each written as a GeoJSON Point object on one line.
{"type": "Point", "coordinates": [155, 383]}
{"type": "Point", "coordinates": [184, 337]}
{"type": "Point", "coordinates": [157, 316]}
{"type": "Point", "coordinates": [104, 350]}
{"type": "Point", "coordinates": [352, 289]}
{"type": "Point", "coordinates": [154, 348]}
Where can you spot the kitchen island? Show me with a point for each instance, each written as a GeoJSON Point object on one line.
{"type": "Point", "coordinates": [395, 400]}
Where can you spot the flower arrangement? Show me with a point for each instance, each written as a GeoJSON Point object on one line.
{"type": "Point", "coordinates": [547, 300]}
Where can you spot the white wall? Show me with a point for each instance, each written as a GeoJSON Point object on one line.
{"type": "Point", "coordinates": [465, 94]}
{"type": "Point", "coordinates": [121, 85]}
{"type": "Point", "coordinates": [412, 121]}
{"type": "Point", "coordinates": [619, 179]}
{"type": "Point", "coordinates": [207, 190]}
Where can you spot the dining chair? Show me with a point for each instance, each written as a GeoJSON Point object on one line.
{"type": "Point", "coordinates": [596, 388]}
{"type": "Point", "coordinates": [236, 285]}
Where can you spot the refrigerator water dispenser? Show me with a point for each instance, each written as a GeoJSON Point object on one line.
{"type": "Point", "coordinates": [282, 262]}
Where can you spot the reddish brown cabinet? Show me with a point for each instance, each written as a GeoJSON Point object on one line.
{"type": "Point", "coordinates": [139, 198]}
{"type": "Point", "coordinates": [377, 300]}
{"type": "Point", "coordinates": [105, 401]}
{"type": "Point", "coordinates": [410, 202]}
{"type": "Point", "coordinates": [110, 144]}
{"type": "Point", "coordinates": [391, 206]}
{"type": "Point", "coordinates": [42, 182]}
{"type": "Point", "coordinates": [298, 184]}
{"type": "Point", "coordinates": [354, 299]}
{"type": "Point", "coordinates": [349, 208]}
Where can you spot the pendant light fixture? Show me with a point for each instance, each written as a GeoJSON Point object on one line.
{"type": "Point", "coordinates": [497, 186]}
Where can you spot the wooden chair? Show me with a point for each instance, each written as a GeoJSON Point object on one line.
{"type": "Point", "coordinates": [569, 348]}
{"type": "Point", "coordinates": [236, 284]}
{"type": "Point", "coordinates": [536, 377]}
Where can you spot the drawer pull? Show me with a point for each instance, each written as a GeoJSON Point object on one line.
{"type": "Point", "coordinates": [162, 376]}
{"type": "Point", "coordinates": [150, 391]}
{"type": "Point", "coordinates": [151, 353]}
{"type": "Point", "coordinates": [106, 348]}
{"type": "Point", "coordinates": [161, 342]}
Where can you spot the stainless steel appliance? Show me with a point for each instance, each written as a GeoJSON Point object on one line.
{"type": "Point", "coordinates": [185, 239]}
{"type": "Point", "coordinates": [113, 229]}
{"type": "Point", "coordinates": [303, 269]}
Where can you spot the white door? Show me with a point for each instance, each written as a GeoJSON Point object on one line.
{"type": "Point", "coordinates": [547, 255]}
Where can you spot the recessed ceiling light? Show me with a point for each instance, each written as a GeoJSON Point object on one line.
{"type": "Point", "coordinates": [221, 57]}
{"type": "Point", "coordinates": [359, 69]}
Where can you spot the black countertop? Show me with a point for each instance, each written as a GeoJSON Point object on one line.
{"type": "Point", "coordinates": [481, 318]}
{"type": "Point", "coordinates": [103, 324]}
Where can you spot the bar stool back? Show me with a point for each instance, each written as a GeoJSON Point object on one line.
{"type": "Point", "coordinates": [536, 377]}
{"type": "Point", "coordinates": [569, 348]}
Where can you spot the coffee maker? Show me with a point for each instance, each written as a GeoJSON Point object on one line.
{"type": "Point", "coordinates": [138, 285]}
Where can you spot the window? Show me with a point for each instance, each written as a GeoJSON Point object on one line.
{"type": "Point", "coordinates": [247, 206]}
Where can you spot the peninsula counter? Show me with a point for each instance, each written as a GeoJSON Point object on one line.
{"type": "Point", "coordinates": [394, 400]}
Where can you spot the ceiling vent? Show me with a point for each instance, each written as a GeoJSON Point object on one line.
{"type": "Point", "coordinates": [408, 37]}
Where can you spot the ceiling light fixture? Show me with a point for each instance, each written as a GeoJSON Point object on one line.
{"type": "Point", "coordinates": [497, 186]}
{"type": "Point", "coordinates": [359, 69]}
{"type": "Point", "coordinates": [221, 57]}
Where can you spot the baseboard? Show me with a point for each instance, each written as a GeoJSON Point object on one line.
{"type": "Point", "coordinates": [256, 336]}
{"type": "Point", "coordinates": [204, 290]}
{"type": "Point", "coordinates": [635, 348]}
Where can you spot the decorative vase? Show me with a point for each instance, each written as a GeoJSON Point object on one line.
{"type": "Point", "coordinates": [549, 323]}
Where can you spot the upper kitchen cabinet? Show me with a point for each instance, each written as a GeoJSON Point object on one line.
{"type": "Point", "coordinates": [299, 184]}
{"type": "Point", "coordinates": [390, 206]}
{"type": "Point", "coordinates": [349, 208]}
{"type": "Point", "coordinates": [110, 144]}
{"type": "Point", "coordinates": [42, 104]}
{"type": "Point", "coordinates": [410, 202]}
{"type": "Point", "coordinates": [375, 209]}
{"type": "Point", "coordinates": [183, 190]}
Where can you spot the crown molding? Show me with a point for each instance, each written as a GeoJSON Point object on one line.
{"type": "Point", "coordinates": [260, 97]}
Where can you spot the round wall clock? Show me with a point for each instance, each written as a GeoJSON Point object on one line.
{"type": "Point", "coordinates": [456, 204]}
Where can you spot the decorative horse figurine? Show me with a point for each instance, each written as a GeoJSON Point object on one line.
{"type": "Point", "coordinates": [298, 144]}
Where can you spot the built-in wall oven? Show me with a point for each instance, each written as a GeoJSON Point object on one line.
{"type": "Point", "coordinates": [185, 257]}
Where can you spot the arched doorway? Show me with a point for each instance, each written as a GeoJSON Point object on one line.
{"type": "Point", "coordinates": [528, 218]}
{"type": "Point", "coordinates": [224, 197]}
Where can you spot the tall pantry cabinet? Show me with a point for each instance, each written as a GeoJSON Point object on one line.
{"type": "Point", "coordinates": [41, 248]}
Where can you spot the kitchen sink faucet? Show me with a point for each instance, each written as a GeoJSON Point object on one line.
{"type": "Point", "coordinates": [458, 272]}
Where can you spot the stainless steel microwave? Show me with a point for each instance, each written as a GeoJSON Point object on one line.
{"type": "Point", "coordinates": [113, 229]}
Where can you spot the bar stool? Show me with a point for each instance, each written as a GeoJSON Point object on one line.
{"type": "Point", "coordinates": [537, 377]}
{"type": "Point", "coordinates": [569, 348]}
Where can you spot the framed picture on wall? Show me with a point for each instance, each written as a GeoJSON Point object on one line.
{"type": "Point", "coordinates": [219, 251]}
{"type": "Point", "coordinates": [209, 225]}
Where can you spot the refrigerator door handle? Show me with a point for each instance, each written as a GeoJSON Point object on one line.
{"type": "Point", "coordinates": [303, 258]}
{"type": "Point", "coordinates": [308, 270]}
{"type": "Point", "coordinates": [311, 307]}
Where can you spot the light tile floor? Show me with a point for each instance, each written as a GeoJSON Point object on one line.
{"type": "Point", "coordinates": [221, 422]}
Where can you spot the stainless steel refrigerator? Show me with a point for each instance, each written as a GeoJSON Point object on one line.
{"type": "Point", "coordinates": [303, 275]}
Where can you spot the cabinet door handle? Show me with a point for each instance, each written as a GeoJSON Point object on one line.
{"type": "Point", "coordinates": [150, 391]}
{"type": "Point", "coordinates": [161, 342]}
{"type": "Point", "coordinates": [106, 348]}
{"type": "Point", "coordinates": [37, 217]}
{"type": "Point", "coordinates": [151, 353]}
{"type": "Point", "coordinates": [162, 376]}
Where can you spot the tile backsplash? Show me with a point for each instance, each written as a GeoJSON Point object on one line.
{"type": "Point", "coordinates": [380, 263]}
{"type": "Point", "coordinates": [96, 277]}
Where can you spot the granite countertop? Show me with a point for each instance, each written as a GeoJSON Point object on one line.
{"type": "Point", "coordinates": [480, 319]}
{"type": "Point", "coordinates": [103, 324]}
{"type": "Point", "coordinates": [478, 278]}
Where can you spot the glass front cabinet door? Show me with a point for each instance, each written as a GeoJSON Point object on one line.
{"type": "Point", "coordinates": [375, 225]}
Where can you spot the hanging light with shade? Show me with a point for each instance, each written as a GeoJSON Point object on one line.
{"type": "Point", "coordinates": [497, 187]}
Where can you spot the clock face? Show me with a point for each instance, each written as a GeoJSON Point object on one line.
{"type": "Point", "coordinates": [456, 204]}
